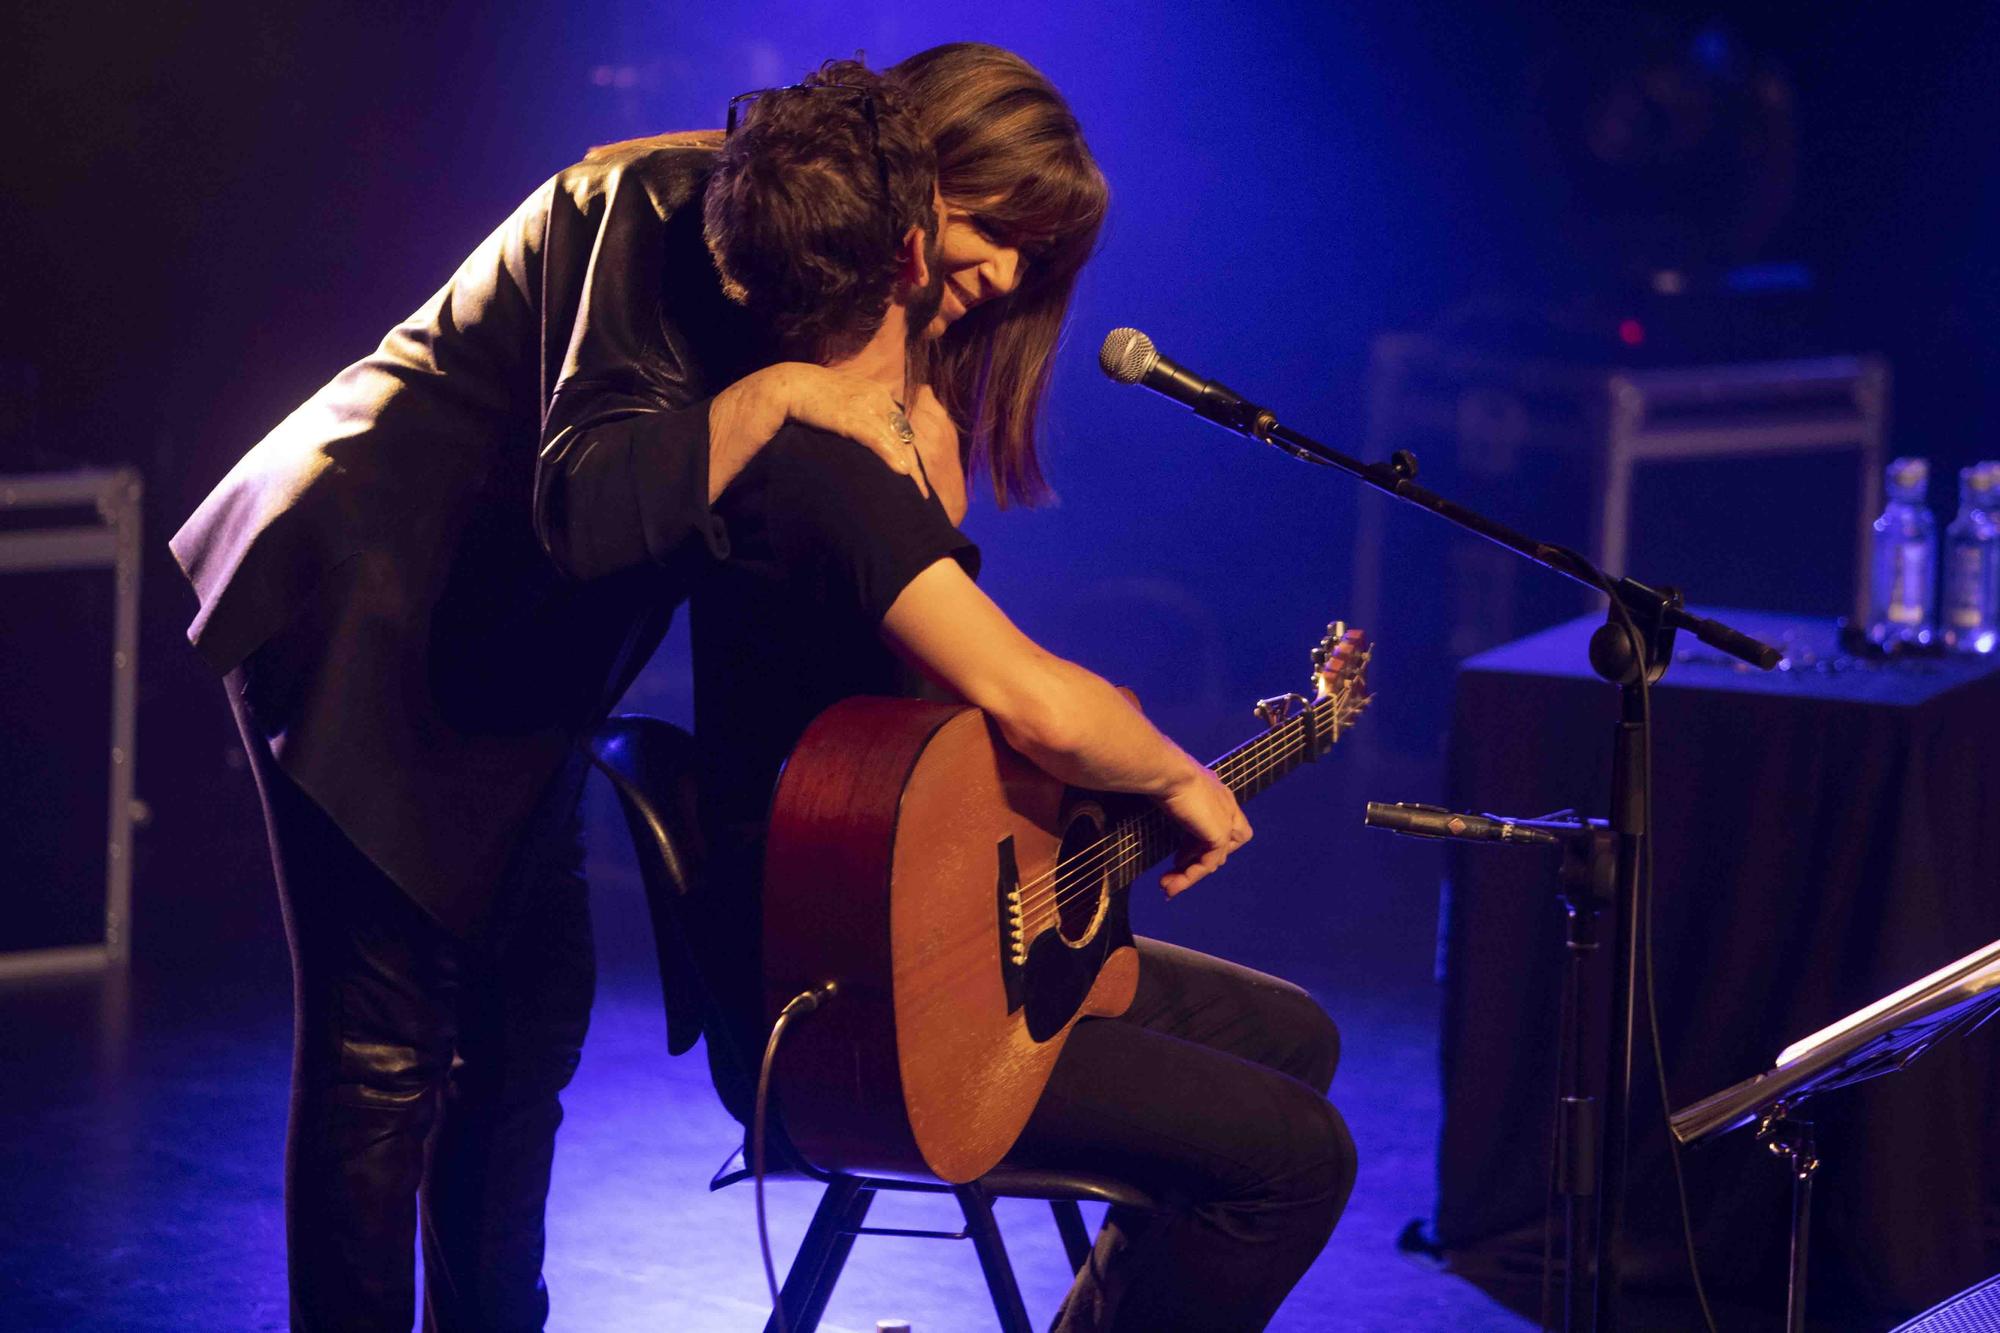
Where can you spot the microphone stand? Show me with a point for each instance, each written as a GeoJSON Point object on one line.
{"type": "Point", "coordinates": [1584, 887]}
{"type": "Point", "coordinates": [1630, 650]}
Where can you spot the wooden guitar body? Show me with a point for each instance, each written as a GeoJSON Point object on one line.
{"type": "Point", "coordinates": [908, 861]}
{"type": "Point", "coordinates": [970, 909]}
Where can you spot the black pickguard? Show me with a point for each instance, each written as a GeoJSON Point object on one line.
{"type": "Point", "coordinates": [1050, 983]}
{"type": "Point", "coordinates": [1059, 976]}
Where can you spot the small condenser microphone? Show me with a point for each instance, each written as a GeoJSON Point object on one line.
{"type": "Point", "coordinates": [1433, 821]}
{"type": "Point", "coordinates": [1129, 357]}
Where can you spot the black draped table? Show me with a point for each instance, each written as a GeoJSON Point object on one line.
{"type": "Point", "coordinates": [1824, 834]}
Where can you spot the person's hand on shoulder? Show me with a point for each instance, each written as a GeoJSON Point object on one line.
{"type": "Point", "coordinates": [743, 418]}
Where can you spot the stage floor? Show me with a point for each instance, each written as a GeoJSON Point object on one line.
{"type": "Point", "coordinates": [142, 1185]}
{"type": "Point", "coordinates": [142, 1122]}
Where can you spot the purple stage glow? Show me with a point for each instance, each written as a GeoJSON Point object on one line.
{"type": "Point", "coordinates": [221, 205]}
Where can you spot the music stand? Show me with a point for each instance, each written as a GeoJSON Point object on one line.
{"type": "Point", "coordinates": [1879, 1039]}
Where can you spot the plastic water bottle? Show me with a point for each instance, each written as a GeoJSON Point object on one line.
{"type": "Point", "coordinates": [1972, 563]}
{"type": "Point", "coordinates": [1902, 588]}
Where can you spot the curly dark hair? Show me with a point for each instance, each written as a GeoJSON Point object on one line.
{"type": "Point", "coordinates": [795, 214]}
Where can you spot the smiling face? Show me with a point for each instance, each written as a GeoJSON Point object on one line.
{"type": "Point", "coordinates": [974, 265]}
{"type": "Point", "coordinates": [1027, 202]}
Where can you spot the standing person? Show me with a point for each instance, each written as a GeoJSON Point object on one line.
{"type": "Point", "coordinates": [1209, 1092]}
{"type": "Point", "coordinates": [444, 567]}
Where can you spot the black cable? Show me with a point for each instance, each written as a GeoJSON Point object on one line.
{"type": "Point", "coordinates": [803, 1003]}
{"type": "Point", "coordinates": [1653, 1011]}
{"type": "Point", "coordinates": [1645, 912]}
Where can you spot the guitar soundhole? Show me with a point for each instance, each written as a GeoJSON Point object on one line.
{"type": "Point", "coordinates": [1081, 891]}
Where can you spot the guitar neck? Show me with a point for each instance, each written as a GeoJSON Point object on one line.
{"type": "Point", "coordinates": [1143, 840]}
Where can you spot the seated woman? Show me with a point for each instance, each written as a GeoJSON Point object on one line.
{"type": "Point", "coordinates": [841, 580]}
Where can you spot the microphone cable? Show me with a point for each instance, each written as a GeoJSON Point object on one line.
{"type": "Point", "coordinates": [803, 1003]}
{"type": "Point", "coordinates": [1645, 960]}
{"type": "Point", "coordinates": [1653, 1003]}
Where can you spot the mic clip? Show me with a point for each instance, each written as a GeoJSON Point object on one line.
{"type": "Point", "coordinates": [1258, 423]}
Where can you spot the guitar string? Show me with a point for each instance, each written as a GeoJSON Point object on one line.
{"type": "Point", "coordinates": [1079, 861]}
{"type": "Point", "coordinates": [1262, 756]}
{"type": "Point", "coordinates": [1239, 769]}
{"type": "Point", "coordinates": [1080, 873]}
{"type": "Point", "coordinates": [1252, 761]}
{"type": "Point", "coordinates": [1124, 849]}
{"type": "Point", "coordinates": [1135, 844]}
{"type": "Point", "coordinates": [1348, 707]}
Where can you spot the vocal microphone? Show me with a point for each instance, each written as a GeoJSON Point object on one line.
{"type": "Point", "coordinates": [1129, 357]}
{"type": "Point", "coordinates": [1434, 821]}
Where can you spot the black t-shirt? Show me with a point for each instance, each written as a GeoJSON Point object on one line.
{"type": "Point", "coordinates": [822, 539]}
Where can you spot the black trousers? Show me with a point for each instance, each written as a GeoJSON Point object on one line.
{"type": "Point", "coordinates": [1210, 1094]}
{"type": "Point", "coordinates": [426, 1070]}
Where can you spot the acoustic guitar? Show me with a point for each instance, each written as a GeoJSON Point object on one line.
{"type": "Point", "coordinates": [971, 908]}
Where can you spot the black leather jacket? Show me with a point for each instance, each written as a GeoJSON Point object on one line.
{"type": "Point", "coordinates": [452, 559]}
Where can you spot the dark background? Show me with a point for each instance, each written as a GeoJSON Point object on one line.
{"type": "Point", "coordinates": [210, 212]}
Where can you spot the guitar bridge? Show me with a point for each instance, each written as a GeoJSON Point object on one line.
{"type": "Point", "coordinates": [1013, 925]}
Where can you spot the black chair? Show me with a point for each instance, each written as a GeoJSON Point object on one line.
{"type": "Point", "coordinates": [650, 764]}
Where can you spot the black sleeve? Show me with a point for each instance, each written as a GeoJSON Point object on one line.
{"type": "Point", "coordinates": [622, 481]}
{"type": "Point", "coordinates": [839, 516]}
{"type": "Point", "coordinates": [627, 300]}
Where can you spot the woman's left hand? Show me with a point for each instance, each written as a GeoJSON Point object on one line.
{"type": "Point", "coordinates": [937, 445]}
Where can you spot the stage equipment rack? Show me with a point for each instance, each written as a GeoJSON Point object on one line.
{"type": "Point", "coordinates": [54, 526]}
{"type": "Point", "coordinates": [1567, 442]}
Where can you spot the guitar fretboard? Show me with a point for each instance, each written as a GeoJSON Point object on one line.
{"type": "Point", "coordinates": [1131, 846]}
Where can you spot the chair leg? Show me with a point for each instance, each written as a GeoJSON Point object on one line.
{"type": "Point", "coordinates": [822, 1254]}
{"type": "Point", "coordinates": [1075, 1236]}
{"type": "Point", "coordinates": [985, 1234]}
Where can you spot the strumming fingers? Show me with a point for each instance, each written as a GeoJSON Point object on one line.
{"type": "Point", "coordinates": [1195, 868]}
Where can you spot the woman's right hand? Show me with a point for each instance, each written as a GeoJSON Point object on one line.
{"type": "Point", "coordinates": [1212, 826]}
{"type": "Point", "coordinates": [743, 418]}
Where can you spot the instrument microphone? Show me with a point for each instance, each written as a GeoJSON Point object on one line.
{"type": "Point", "coordinates": [1434, 821]}
{"type": "Point", "coordinates": [1129, 357]}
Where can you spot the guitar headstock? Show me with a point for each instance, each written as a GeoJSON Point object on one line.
{"type": "Point", "coordinates": [1340, 669]}
{"type": "Point", "coordinates": [1340, 689]}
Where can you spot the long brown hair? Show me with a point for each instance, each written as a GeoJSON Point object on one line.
{"type": "Point", "coordinates": [1010, 150]}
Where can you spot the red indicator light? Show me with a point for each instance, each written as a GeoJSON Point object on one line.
{"type": "Point", "coordinates": [1631, 332]}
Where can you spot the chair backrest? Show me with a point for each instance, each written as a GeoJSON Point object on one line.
{"type": "Point", "coordinates": [651, 765]}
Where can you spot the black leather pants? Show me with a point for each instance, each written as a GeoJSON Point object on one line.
{"type": "Point", "coordinates": [425, 1073]}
